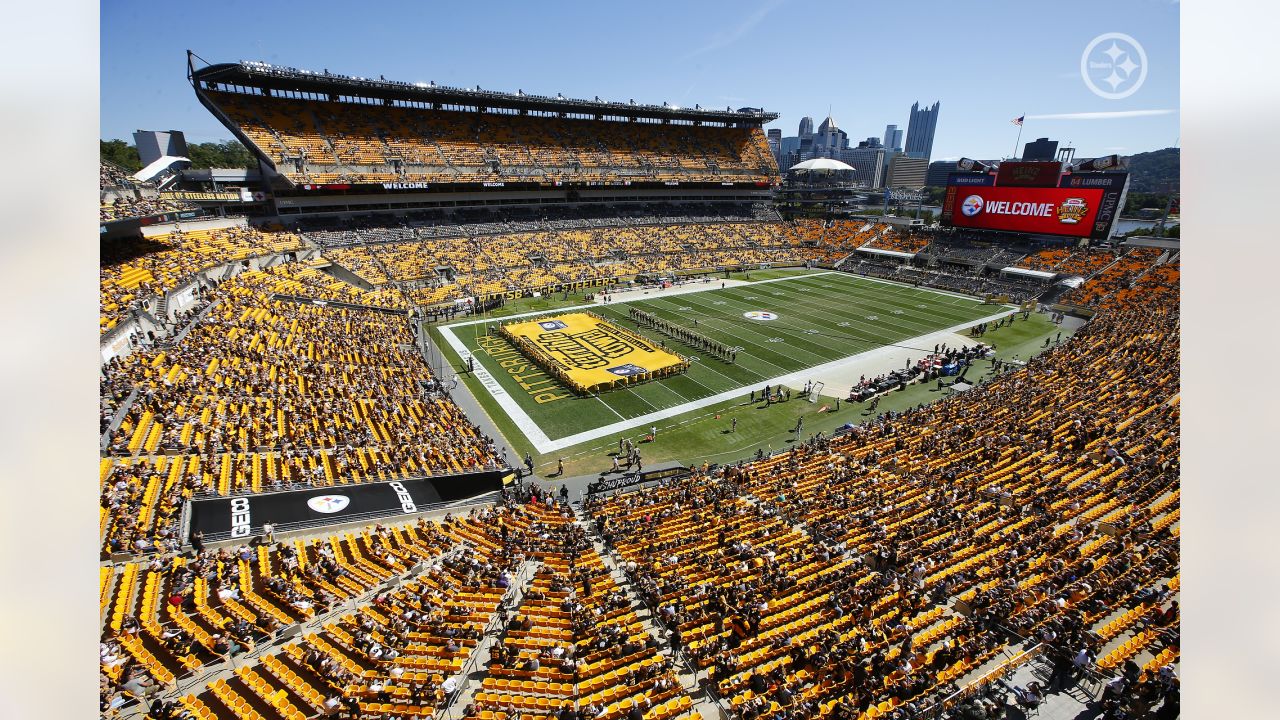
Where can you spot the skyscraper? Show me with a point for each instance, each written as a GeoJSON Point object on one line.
{"type": "Point", "coordinates": [920, 130]}
{"type": "Point", "coordinates": [892, 138]}
{"type": "Point", "coordinates": [806, 126]}
{"type": "Point", "coordinates": [829, 140]}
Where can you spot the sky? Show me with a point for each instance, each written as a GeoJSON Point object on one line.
{"type": "Point", "coordinates": [987, 62]}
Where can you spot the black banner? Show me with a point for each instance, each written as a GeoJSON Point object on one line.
{"type": "Point", "coordinates": [243, 517]}
{"type": "Point", "coordinates": [617, 482]}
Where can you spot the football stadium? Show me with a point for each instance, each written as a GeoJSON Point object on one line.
{"type": "Point", "coordinates": [478, 405]}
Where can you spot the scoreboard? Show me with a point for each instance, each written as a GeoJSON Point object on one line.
{"type": "Point", "coordinates": [1036, 198]}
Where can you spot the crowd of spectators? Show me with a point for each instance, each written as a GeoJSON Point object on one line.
{"type": "Point", "coordinates": [1046, 510]}
{"type": "Point", "coordinates": [890, 238]}
{"type": "Point", "coordinates": [317, 142]}
{"type": "Point", "coordinates": [978, 282]}
{"type": "Point", "coordinates": [133, 270]}
{"type": "Point", "coordinates": [121, 196]}
{"type": "Point", "coordinates": [1118, 277]}
{"type": "Point", "coordinates": [439, 269]}
{"type": "Point", "coordinates": [566, 632]}
{"type": "Point", "coordinates": [126, 206]}
{"type": "Point", "coordinates": [1069, 261]}
{"type": "Point", "coordinates": [263, 394]}
{"type": "Point", "coordinates": [878, 568]}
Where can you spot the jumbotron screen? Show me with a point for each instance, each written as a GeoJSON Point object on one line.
{"type": "Point", "coordinates": [1083, 205]}
{"type": "Point", "coordinates": [1052, 211]}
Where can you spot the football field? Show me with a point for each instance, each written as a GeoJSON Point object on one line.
{"type": "Point", "coordinates": [780, 329]}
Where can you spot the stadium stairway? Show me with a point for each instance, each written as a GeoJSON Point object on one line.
{"type": "Point", "coordinates": [341, 273]}
{"type": "Point", "coordinates": [704, 704]}
{"type": "Point", "coordinates": [121, 412]}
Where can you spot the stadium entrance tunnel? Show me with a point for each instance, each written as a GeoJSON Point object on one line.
{"type": "Point", "coordinates": [231, 518]}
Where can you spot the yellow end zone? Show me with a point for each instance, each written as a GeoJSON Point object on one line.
{"type": "Point", "coordinates": [590, 354]}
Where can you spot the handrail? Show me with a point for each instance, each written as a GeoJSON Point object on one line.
{"type": "Point", "coordinates": [946, 703]}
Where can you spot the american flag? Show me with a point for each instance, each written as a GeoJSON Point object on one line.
{"type": "Point", "coordinates": [1018, 120]}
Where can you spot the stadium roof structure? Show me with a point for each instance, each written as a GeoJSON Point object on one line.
{"type": "Point", "coordinates": [824, 164]}
{"type": "Point", "coordinates": [273, 77]}
{"type": "Point", "coordinates": [161, 164]}
{"type": "Point", "coordinates": [1027, 272]}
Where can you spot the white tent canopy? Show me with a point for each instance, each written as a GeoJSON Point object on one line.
{"type": "Point", "coordinates": [821, 164]}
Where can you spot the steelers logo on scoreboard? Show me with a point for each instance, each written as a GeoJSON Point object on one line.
{"type": "Point", "coordinates": [760, 315]}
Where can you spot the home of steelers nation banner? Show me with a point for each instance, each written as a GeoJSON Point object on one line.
{"type": "Point", "coordinates": [590, 354]}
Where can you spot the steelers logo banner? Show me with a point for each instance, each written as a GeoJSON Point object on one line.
{"type": "Point", "coordinates": [589, 354]}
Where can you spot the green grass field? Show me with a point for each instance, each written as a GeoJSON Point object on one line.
{"type": "Point", "coordinates": [821, 318]}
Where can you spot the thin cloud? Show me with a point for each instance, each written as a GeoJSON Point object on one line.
{"type": "Point", "coordinates": [1110, 115]}
{"type": "Point", "coordinates": [732, 35]}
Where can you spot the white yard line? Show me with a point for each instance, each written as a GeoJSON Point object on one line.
{"type": "Point", "coordinates": [615, 412]}
{"type": "Point", "coordinates": [544, 444]}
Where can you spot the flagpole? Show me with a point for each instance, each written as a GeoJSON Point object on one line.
{"type": "Point", "coordinates": [1018, 142]}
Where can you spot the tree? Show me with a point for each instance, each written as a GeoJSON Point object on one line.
{"type": "Point", "coordinates": [229, 154]}
{"type": "Point", "coordinates": [118, 152]}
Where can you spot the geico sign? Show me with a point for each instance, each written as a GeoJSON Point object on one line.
{"type": "Point", "coordinates": [1004, 207]}
{"type": "Point", "coordinates": [406, 500]}
{"type": "Point", "coordinates": [239, 517]}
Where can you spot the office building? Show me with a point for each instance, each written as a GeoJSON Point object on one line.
{"type": "Point", "coordinates": [806, 126]}
{"type": "Point", "coordinates": [920, 129]}
{"type": "Point", "coordinates": [867, 162]}
{"type": "Point", "coordinates": [938, 172]}
{"type": "Point", "coordinates": [907, 172]}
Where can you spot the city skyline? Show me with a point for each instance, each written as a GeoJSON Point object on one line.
{"type": "Point", "coordinates": [715, 54]}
